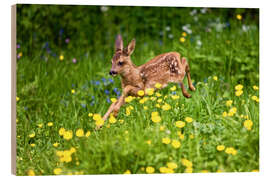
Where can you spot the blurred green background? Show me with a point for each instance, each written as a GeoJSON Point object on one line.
{"type": "Point", "coordinates": [217, 42]}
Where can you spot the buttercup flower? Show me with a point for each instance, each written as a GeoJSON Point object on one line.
{"type": "Point", "coordinates": [31, 172]}
{"type": "Point", "coordinates": [230, 150]}
{"type": "Point", "coordinates": [113, 100]}
{"type": "Point", "coordinates": [73, 91]}
{"type": "Point", "coordinates": [166, 107]}
{"type": "Point", "coordinates": [79, 133]}
{"type": "Point", "coordinates": [238, 92]}
{"type": "Point", "coordinates": [238, 87]}
{"type": "Point", "coordinates": [224, 114]}
{"type": "Point", "coordinates": [239, 16]}
{"type": "Point", "coordinates": [97, 117]}
{"type": "Point", "coordinates": [127, 172]}
{"type": "Point", "coordinates": [32, 135]}
{"type": "Point", "coordinates": [172, 165]}
{"type": "Point", "coordinates": [229, 103]}
{"type": "Point", "coordinates": [158, 85]}
{"type": "Point", "coordinates": [140, 92]}
{"type": "Point", "coordinates": [150, 170]}
{"type": "Point", "coordinates": [255, 88]}
{"type": "Point", "coordinates": [220, 147]}
{"type": "Point", "coordinates": [188, 119]}
{"type": "Point", "coordinates": [248, 124]}
{"type": "Point", "coordinates": [186, 163]}
{"type": "Point", "coordinates": [176, 144]}
{"type": "Point", "coordinates": [182, 39]}
{"type": "Point", "coordinates": [61, 131]}
{"type": "Point", "coordinates": [112, 119]}
{"type": "Point", "coordinates": [173, 88]}
{"type": "Point", "coordinates": [149, 91]}
{"type": "Point", "coordinates": [61, 57]}
{"type": "Point", "coordinates": [87, 134]}
{"type": "Point", "coordinates": [166, 140]}
{"type": "Point", "coordinates": [56, 144]}
{"type": "Point", "coordinates": [50, 124]}
{"type": "Point", "coordinates": [180, 124]}
{"type": "Point", "coordinates": [128, 99]}
{"type": "Point", "coordinates": [68, 135]}
{"type": "Point", "coordinates": [215, 78]}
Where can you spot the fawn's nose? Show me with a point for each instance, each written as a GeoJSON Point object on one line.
{"type": "Point", "coordinates": [112, 73]}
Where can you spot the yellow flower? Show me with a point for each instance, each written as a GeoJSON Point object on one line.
{"type": "Point", "coordinates": [215, 78]}
{"type": "Point", "coordinates": [79, 133]}
{"type": "Point", "coordinates": [173, 88]}
{"type": "Point", "coordinates": [184, 34]}
{"type": "Point", "coordinates": [165, 170]}
{"type": "Point", "coordinates": [158, 105]}
{"type": "Point", "coordinates": [238, 87]}
{"type": "Point", "coordinates": [229, 103]}
{"type": "Point", "coordinates": [50, 124]}
{"type": "Point", "coordinates": [220, 147]}
{"type": "Point", "coordinates": [156, 119]}
{"type": "Point", "coordinates": [224, 114]}
{"type": "Point", "coordinates": [40, 125]}
{"type": "Point", "coordinates": [149, 91]}
{"type": "Point", "coordinates": [161, 128]}
{"type": "Point", "coordinates": [255, 170]}
{"type": "Point", "coordinates": [204, 171]}
{"type": "Point", "coordinates": [56, 144]}
{"type": "Point", "coordinates": [140, 92]}
{"type": "Point", "coordinates": [61, 131]}
{"type": "Point", "coordinates": [113, 100]}
{"type": "Point", "coordinates": [127, 172]}
{"type": "Point", "coordinates": [255, 88]}
{"type": "Point", "coordinates": [97, 117]}
{"type": "Point", "coordinates": [181, 136]}
{"type": "Point", "coordinates": [230, 150]}
{"type": "Point", "coordinates": [176, 144]}
{"type": "Point", "coordinates": [145, 107]}
{"type": "Point", "coordinates": [175, 97]}
{"type": "Point", "coordinates": [159, 100]}
{"type": "Point", "coordinates": [158, 94]}
{"type": "Point", "coordinates": [239, 17]}
{"type": "Point", "coordinates": [90, 114]}
{"type": "Point", "coordinates": [121, 121]}
{"type": "Point", "coordinates": [99, 122]}
{"type": "Point", "coordinates": [166, 107]}
{"type": "Point", "coordinates": [61, 57]}
{"type": "Point", "coordinates": [166, 140]}
{"type": "Point", "coordinates": [158, 85]}
{"type": "Point", "coordinates": [188, 170]}
{"type": "Point", "coordinates": [17, 98]}
{"type": "Point", "coordinates": [68, 135]}
{"type": "Point", "coordinates": [57, 171]}
{"type": "Point", "coordinates": [31, 172]}
{"type": "Point", "coordinates": [150, 170]}
{"type": "Point", "coordinates": [232, 111]}
{"type": "Point", "coordinates": [112, 119]}
{"type": "Point", "coordinates": [180, 124]}
{"type": "Point", "coordinates": [32, 135]}
{"type": "Point", "coordinates": [73, 91]}
{"type": "Point", "coordinates": [128, 99]}
{"type": "Point", "coordinates": [32, 145]}
{"type": "Point", "coordinates": [87, 134]}
{"type": "Point", "coordinates": [255, 98]}
{"type": "Point", "coordinates": [238, 92]}
{"type": "Point", "coordinates": [182, 39]}
{"type": "Point", "coordinates": [248, 124]}
{"type": "Point", "coordinates": [186, 163]}
{"type": "Point", "coordinates": [191, 136]}
{"type": "Point", "coordinates": [172, 165]}
{"type": "Point", "coordinates": [148, 142]}
{"type": "Point", "coordinates": [188, 119]}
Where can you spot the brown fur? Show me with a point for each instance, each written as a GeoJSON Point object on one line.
{"type": "Point", "coordinates": [163, 69]}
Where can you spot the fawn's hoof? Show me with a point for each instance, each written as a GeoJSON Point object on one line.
{"type": "Point", "coordinates": [187, 95]}
{"type": "Point", "coordinates": [192, 88]}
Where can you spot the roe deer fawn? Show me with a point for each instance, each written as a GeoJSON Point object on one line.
{"type": "Point", "coordinates": [162, 69]}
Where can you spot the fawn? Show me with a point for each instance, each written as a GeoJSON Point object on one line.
{"type": "Point", "coordinates": [162, 69]}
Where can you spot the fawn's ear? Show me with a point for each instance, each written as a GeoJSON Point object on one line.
{"type": "Point", "coordinates": [118, 43]}
{"type": "Point", "coordinates": [130, 48]}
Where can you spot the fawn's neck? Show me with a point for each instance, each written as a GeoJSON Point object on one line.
{"type": "Point", "coordinates": [130, 74]}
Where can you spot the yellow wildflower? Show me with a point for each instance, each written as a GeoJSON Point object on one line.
{"type": "Point", "coordinates": [113, 100]}
{"type": "Point", "coordinates": [68, 135]}
{"type": "Point", "coordinates": [230, 150]}
{"type": "Point", "coordinates": [238, 87]}
{"type": "Point", "coordinates": [224, 114]}
{"type": "Point", "coordinates": [229, 103]}
{"type": "Point", "coordinates": [255, 98]}
{"type": "Point", "coordinates": [239, 17]}
{"type": "Point", "coordinates": [173, 88]}
{"type": "Point", "coordinates": [121, 121]}
{"type": "Point", "coordinates": [176, 144]}
{"type": "Point", "coordinates": [182, 39]}
{"type": "Point", "coordinates": [79, 133]}
{"type": "Point", "coordinates": [90, 114]}
{"type": "Point", "coordinates": [238, 92]}
{"type": "Point", "coordinates": [175, 97]}
{"type": "Point", "coordinates": [166, 107]}
{"type": "Point", "coordinates": [158, 94]}
{"type": "Point", "coordinates": [32, 135]}
{"type": "Point", "coordinates": [128, 99]}
{"type": "Point", "coordinates": [158, 85]}
{"type": "Point", "coordinates": [32, 145]}
{"type": "Point", "coordinates": [127, 172]}
{"type": "Point", "coordinates": [99, 122]}
{"type": "Point", "coordinates": [31, 172]}
{"type": "Point", "coordinates": [248, 124]}
{"type": "Point", "coordinates": [255, 170]}
{"type": "Point", "coordinates": [166, 140]}
{"type": "Point", "coordinates": [161, 128]}
{"type": "Point", "coordinates": [215, 78]}
{"type": "Point", "coordinates": [220, 147]}
{"type": "Point", "coordinates": [204, 171]}
{"type": "Point", "coordinates": [140, 92]}
{"type": "Point", "coordinates": [186, 163]}
{"type": "Point", "coordinates": [255, 88]}
{"type": "Point", "coordinates": [181, 136]}
{"type": "Point", "coordinates": [87, 134]}
{"type": "Point", "coordinates": [188, 119]}
{"type": "Point", "coordinates": [191, 136]}
{"type": "Point", "coordinates": [149, 142]}
{"type": "Point", "coordinates": [232, 111]}
{"type": "Point", "coordinates": [97, 117]}
{"type": "Point", "coordinates": [50, 124]}
{"type": "Point", "coordinates": [159, 100]}
{"type": "Point", "coordinates": [149, 91]}
{"type": "Point", "coordinates": [73, 91]}
{"type": "Point", "coordinates": [188, 170]}
{"type": "Point", "coordinates": [172, 165]}
{"type": "Point", "coordinates": [40, 125]}
{"type": "Point", "coordinates": [56, 144]}
{"type": "Point", "coordinates": [184, 34]}
{"type": "Point", "coordinates": [145, 107]}
{"type": "Point", "coordinates": [180, 124]}
{"type": "Point", "coordinates": [61, 131]}
{"type": "Point", "coordinates": [150, 170]}
{"type": "Point", "coordinates": [57, 171]}
{"type": "Point", "coordinates": [17, 98]}
{"type": "Point", "coordinates": [112, 119]}
{"type": "Point", "coordinates": [61, 57]}
{"type": "Point", "coordinates": [158, 105]}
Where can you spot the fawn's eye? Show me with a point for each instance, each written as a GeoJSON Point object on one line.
{"type": "Point", "coordinates": [120, 63]}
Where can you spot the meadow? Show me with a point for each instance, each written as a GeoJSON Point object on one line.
{"type": "Point", "coordinates": [64, 88]}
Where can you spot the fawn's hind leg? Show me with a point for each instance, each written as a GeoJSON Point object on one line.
{"type": "Point", "coordinates": [184, 91]}
{"type": "Point", "coordinates": [187, 70]}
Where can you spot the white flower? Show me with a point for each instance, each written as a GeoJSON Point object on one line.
{"type": "Point", "coordinates": [104, 8]}
{"type": "Point", "coordinates": [168, 28]}
{"type": "Point", "coordinates": [199, 43]}
{"type": "Point", "coordinates": [168, 132]}
{"type": "Point", "coordinates": [193, 12]}
{"type": "Point", "coordinates": [245, 28]}
{"type": "Point", "coordinates": [170, 36]}
{"type": "Point", "coordinates": [187, 28]}
{"type": "Point", "coordinates": [195, 18]}
{"type": "Point", "coordinates": [203, 10]}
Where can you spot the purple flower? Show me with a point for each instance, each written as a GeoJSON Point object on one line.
{"type": "Point", "coordinates": [67, 40]}
{"type": "Point", "coordinates": [74, 60]}
{"type": "Point", "coordinates": [18, 46]}
{"type": "Point", "coordinates": [18, 56]}
{"type": "Point", "coordinates": [108, 100]}
{"type": "Point", "coordinates": [111, 80]}
{"type": "Point", "coordinates": [107, 92]}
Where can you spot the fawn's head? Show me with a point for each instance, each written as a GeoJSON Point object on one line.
{"type": "Point", "coordinates": [121, 59]}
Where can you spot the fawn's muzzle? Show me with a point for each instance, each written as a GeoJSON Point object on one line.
{"type": "Point", "coordinates": [112, 73]}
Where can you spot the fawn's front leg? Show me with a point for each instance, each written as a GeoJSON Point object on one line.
{"type": "Point", "coordinates": [105, 117]}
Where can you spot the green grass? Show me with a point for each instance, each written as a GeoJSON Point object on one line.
{"type": "Point", "coordinates": [44, 91]}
